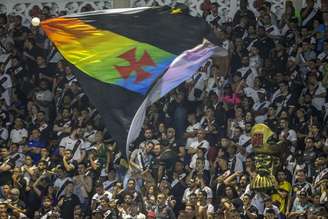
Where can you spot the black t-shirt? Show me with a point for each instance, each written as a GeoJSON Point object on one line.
{"type": "Point", "coordinates": [265, 45]}
{"type": "Point", "coordinates": [67, 209]}
{"type": "Point", "coordinates": [5, 177]}
{"type": "Point", "coordinates": [168, 159]}
{"type": "Point", "coordinates": [72, 172]}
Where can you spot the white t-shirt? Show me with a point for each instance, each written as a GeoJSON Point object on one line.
{"type": "Point", "coordinates": [192, 164]}
{"type": "Point", "coordinates": [251, 77]}
{"type": "Point", "coordinates": [203, 143]}
{"type": "Point", "coordinates": [69, 143]}
{"type": "Point", "coordinates": [96, 197]}
{"type": "Point", "coordinates": [319, 102]}
{"type": "Point", "coordinates": [3, 134]}
{"type": "Point", "coordinates": [18, 135]}
{"type": "Point", "coordinates": [58, 184]}
{"type": "Point", "coordinates": [208, 191]}
{"type": "Point", "coordinates": [192, 128]}
{"type": "Point", "coordinates": [6, 85]}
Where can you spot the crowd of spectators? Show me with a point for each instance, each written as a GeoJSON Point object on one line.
{"type": "Point", "coordinates": [194, 158]}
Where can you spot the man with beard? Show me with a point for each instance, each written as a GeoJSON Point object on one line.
{"type": "Point", "coordinates": [74, 143]}
{"type": "Point", "coordinates": [264, 43]}
{"type": "Point", "coordinates": [63, 125]}
{"type": "Point", "coordinates": [6, 164]}
{"type": "Point", "coordinates": [140, 161]}
{"type": "Point", "coordinates": [248, 73]}
{"type": "Point", "coordinates": [309, 14]}
{"type": "Point", "coordinates": [44, 97]}
{"type": "Point", "coordinates": [68, 202]}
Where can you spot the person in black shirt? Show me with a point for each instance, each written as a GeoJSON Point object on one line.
{"type": "Point", "coordinates": [68, 202]}
{"type": "Point", "coordinates": [70, 165]}
{"type": "Point", "coordinates": [244, 12]}
{"type": "Point", "coordinates": [6, 164]}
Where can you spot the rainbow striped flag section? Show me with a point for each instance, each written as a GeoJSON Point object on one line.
{"type": "Point", "coordinates": [119, 55]}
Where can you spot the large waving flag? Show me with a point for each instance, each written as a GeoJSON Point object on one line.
{"type": "Point", "coordinates": [119, 55]}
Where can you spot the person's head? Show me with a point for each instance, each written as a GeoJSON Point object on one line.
{"type": "Point", "coordinates": [170, 133]}
{"type": "Point", "coordinates": [66, 114]}
{"type": "Point", "coordinates": [225, 142]}
{"type": "Point", "coordinates": [35, 134]}
{"type": "Point", "coordinates": [191, 183]}
{"type": "Point", "coordinates": [6, 190]}
{"type": "Point", "coordinates": [243, 5]}
{"type": "Point", "coordinates": [179, 167]}
{"type": "Point", "coordinates": [245, 61]}
{"type": "Point", "coordinates": [283, 123]}
{"type": "Point", "coordinates": [99, 188]}
{"type": "Point", "coordinates": [201, 134]}
{"type": "Point", "coordinates": [44, 84]}
{"type": "Point", "coordinates": [243, 181]}
{"type": "Point", "coordinates": [148, 134]}
{"type": "Point", "coordinates": [248, 126]}
{"type": "Point", "coordinates": [230, 192]}
{"type": "Point", "coordinates": [268, 202]}
{"type": "Point", "coordinates": [68, 154]}
{"type": "Point", "coordinates": [200, 164]}
{"type": "Point", "coordinates": [3, 208]}
{"type": "Point", "coordinates": [237, 132]}
{"type": "Point", "coordinates": [18, 123]}
{"type": "Point", "coordinates": [128, 199]}
{"type": "Point", "coordinates": [14, 194]}
{"type": "Point", "coordinates": [161, 199]}
{"type": "Point", "coordinates": [246, 199]}
{"type": "Point", "coordinates": [320, 161]}
{"type": "Point", "coordinates": [28, 160]}
{"type": "Point", "coordinates": [316, 198]}
{"type": "Point", "coordinates": [149, 146]}
{"type": "Point", "coordinates": [69, 188]}
{"type": "Point", "coordinates": [29, 43]}
{"type": "Point", "coordinates": [131, 184]}
{"type": "Point", "coordinates": [18, 21]}
{"type": "Point", "coordinates": [47, 202]}
{"type": "Point", "coordinates": [300, 175]}
{"type": "Point", "coordinates": [40, 60]}
{"type": "Point", "coordinates": [201, 196]}
{"type": "Point", "coordinates": [4, 152]}
{"type": "Point", "coordinates": [78, 213]}
{"type": "Point", "coordinates": [42, 165]}
{"type": "Point", "coordinates": [281, 175]}
{"type": "Point", "coordinates": [270, 214]}
{"type": "Point", "coordinates": [44, 152]}
{"type": "Point", "coordinates": [99, 136]}
{"type": "Point", "coordinates": [283, 193]}
{"type": "Point", "coordinates": [157, 150]}
{"type": "Point", "coordinates": [309, 143]}
{"type": "Point", "coordinates": [302, 196]}
{"type": "Point", "coordinates": [81, 169]}
{"type": "Point", "coordinates": [310, 3]}
{"type": "Point", "coordinates": [192, 199]}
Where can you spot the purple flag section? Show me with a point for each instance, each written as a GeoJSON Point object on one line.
{"type": "Point", "coordinates": [180, 70]}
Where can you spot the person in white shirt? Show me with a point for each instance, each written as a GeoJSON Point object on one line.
{"type": "Point", "coordinates": [260, 108]}
{"type": "Point", "coordinates": [75, 144]}
{"type": "Point", "coordinates": [18, 134]}
{"type": "Point", "coordinates": [100, 193]}
{"type": "Point", "coordinates": [247, 72]}
{"type": "Point", "coordinates": [5, 86]}
{"type": "Point", "coordinates": [199, 143]}
{"type": "Point", "coordinates": [191, 130]}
